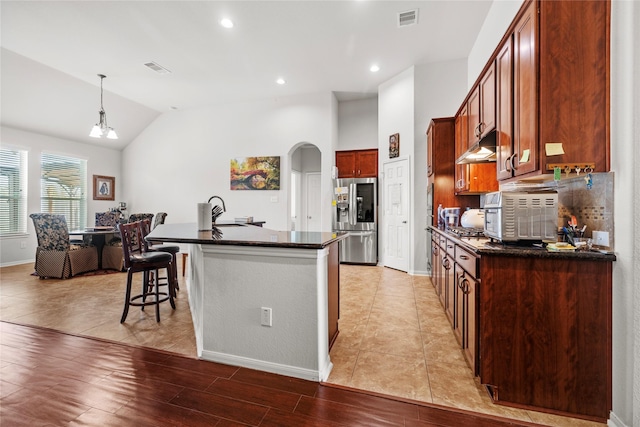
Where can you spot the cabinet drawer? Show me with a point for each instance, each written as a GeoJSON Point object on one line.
{"type": "Point", "coordinates": [450, 248]}
{"type": "Point", "coordinates": [466, 260]}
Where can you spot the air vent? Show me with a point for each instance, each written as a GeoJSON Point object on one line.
{"type": "Point", "coordinates": [410, 17]}
{"type": "Point", "coordinates": [157, 68]}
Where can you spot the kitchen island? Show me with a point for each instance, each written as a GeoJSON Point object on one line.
{"type": "Point", "coordinates": [260, 298]}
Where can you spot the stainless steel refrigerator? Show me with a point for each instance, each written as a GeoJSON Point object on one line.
{"type": "Point", "coordinates": [355, 211]}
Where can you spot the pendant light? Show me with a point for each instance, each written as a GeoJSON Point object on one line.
{"type": "Point", "coordinates": [101, 128]}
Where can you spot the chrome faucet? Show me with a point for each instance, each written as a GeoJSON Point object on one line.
{"type": "Point", "coordinates": [224, 209]}
{"type": "Point", "coordinates": [216, 211]}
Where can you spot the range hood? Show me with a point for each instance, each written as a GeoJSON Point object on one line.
{"type": "Point", "coordinates": [483, 151]}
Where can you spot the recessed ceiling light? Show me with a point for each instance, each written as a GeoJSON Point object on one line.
{"type": "Point", "coordinates": [227, 23]}
{"type": "Point", "coordinates": [374, 68]}
{"type": "Point", "coordinates": [280, 81]}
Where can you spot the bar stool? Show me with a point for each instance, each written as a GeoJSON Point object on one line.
{"type": "Point", "coordinates": [145, 225]}
{"type": "Point", "coordinates": [136, 260]}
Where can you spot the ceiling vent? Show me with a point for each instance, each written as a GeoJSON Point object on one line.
{"type": "Point", "coordinates": [157, 68]}
{"type": "Point", "coordinates": [410, 17]}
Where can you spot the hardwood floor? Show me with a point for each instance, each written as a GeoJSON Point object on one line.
{"type": "Point", "coordinates": [142, 371]}
{"type": "Point", "coordinates": [52, 378]}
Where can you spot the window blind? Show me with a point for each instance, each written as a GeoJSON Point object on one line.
{"type": "Point", "coordinates": [63, 185]}
{"type": "Point", "coordinates": [13, 191]}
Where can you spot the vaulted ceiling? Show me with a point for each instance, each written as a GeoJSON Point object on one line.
{"type": "Point", "coordinates": [52, 52]}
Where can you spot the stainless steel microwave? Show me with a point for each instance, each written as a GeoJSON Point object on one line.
{"type": "Point", "coordinates": [510, 216]}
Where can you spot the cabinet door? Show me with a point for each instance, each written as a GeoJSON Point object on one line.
{"type": "Point", "coordinates": [473, 121]}
{"type": "Point", "coordinates": [367, 164]}
{"type": "Point", "coordinates": [346, 163]}
{"type": "Point", "coordinates": [504, 109]}
{"type": "Point", "coordinates": [430, 150]}
{"type": "Point", "coordinates": [525, 95]}
{"type": "Point", "coordinates": [487, 88]}
{"type": "Point", "coordinates": [461, 183]}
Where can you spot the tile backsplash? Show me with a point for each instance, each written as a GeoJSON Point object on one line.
{"type": "Point", "coordinates": [592, 207]}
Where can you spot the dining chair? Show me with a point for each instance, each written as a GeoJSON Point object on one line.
{"type": "Point", "coordinates": [138, 260]}
{"type": "Point", "coordinates": [55, 255]}
{"type": "Point", "coordinates": [112, 258]}
{"type": "Point", "coordinates": [134, 217]}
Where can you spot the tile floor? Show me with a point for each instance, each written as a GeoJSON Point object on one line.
{"type": "Point", "coordinates": [394, 337]}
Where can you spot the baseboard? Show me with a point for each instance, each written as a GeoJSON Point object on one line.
{"type": "Point", "coordinates": [11, 264]}
{"type": "Point", "coordinates": [261, 365]}
{"type": "Point", "coordinates": [614, 421]}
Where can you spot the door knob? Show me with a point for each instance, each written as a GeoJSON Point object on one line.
{"type": "Point", "coordinates": [404, 222]}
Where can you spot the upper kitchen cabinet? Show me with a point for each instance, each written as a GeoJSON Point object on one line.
{"type": "Point", "coordinates": [481, 108]}
{"type": "Point", "coordinates": [471, 178]}
{"type": "Point", "coordinates": [357, 163]}
{"type": "Point", "coordinates": [559, 56]}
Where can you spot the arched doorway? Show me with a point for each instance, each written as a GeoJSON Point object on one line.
{"type": "Point", "coordinates": [305, 195]}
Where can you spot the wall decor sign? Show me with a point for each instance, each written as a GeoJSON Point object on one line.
{"type": "Point", "coordinates": [394, 145]}
{"type": "Point", "coordinates": [104, 187]}
{"type": "Point", "coordinates": [255, 173]}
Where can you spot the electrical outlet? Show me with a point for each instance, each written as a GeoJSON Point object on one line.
{"type": "Point", "coordinates": [274, 199]}
{"type": "Point", "coordinates": [23, 245]}
{"type": "Point", "coordinates": [600, 238]}
{"type": "Point", "coordinates": [266, 318]}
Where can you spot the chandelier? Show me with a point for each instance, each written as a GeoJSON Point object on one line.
{"type": "Point", "coordinates": [101, 128]}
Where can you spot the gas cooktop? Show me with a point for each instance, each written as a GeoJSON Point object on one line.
{"type": "Point", "coordinates": [466, 231]}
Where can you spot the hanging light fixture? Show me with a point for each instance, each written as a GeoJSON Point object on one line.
{"type": "Point", "coordinates": [101, 128]}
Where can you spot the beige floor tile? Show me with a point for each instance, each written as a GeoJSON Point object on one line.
{"type": "Point", "coordinates": [394, 375]}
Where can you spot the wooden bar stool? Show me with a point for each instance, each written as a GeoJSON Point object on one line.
{"type": "Point", "coordinates": [145, 225]}
{"type": "Point", "coordinates": [137, 259]}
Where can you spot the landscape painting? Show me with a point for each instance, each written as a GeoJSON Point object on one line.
{"type": "Point", "coordinates": [255, 173]}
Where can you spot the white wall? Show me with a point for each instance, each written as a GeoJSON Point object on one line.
{"type": "Point", "coordinates": [100, 161]}
{"type": "Point", "coordinates": [395, 115]}
{"type": "Point", "coordinates": [493, 29]}
{"type": "Point", "coordinates": [440, 89]}
{"type": "Point", "coordinates": [625, 155]}
{"type": "Point", "coordinates": [183, 158]}
{"type": "Point", "coordinates": [358, 124]}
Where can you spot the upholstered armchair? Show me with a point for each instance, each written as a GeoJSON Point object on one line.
{"type": "Point", "coordinates": [55, 255]}
{"type": "Point", "coordinates": [112, 258]}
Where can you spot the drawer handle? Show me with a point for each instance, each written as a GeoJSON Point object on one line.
{"type": "Point", "coordinates": [464, 257]}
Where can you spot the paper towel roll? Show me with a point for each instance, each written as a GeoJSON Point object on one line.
{"type": "Point", "coordinates": [204, 217]}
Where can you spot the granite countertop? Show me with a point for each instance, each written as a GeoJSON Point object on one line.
{"type": "Point", "coordinates": [485, 246]}
{"type": "Point", "coordinates": [242, 235]}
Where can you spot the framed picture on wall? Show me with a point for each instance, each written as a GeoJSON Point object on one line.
{"type": "Point", "coordinates": [104, 187]}
{"type": "Point", "coordinates": [394, 145]}
{"type": "Point", "coordinates": [255, 173]}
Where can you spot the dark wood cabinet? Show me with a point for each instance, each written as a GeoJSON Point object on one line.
{"type": "Point", "coordinates": [357, 163]}
{"type": "Point", "coordinates": [560, 83]}
{"type": "Point", "coordinates": [466, 288]}
{"type": "Point", "coordinates": [333, 291]}
{"type": "Point", "coordinates": [545, 333]}
{"type": "Point", "coordinates": [504, 111]}
{"type": "Point", "coordinates": [481, 107]}
{"type": "Point", "coordinates": [470, 179]}
{"type": "Point", "coordinates": [524, 157]}
{"type": "Point", "coordinates": [440, 160]}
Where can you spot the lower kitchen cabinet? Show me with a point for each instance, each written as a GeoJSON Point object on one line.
{"type": "Point", "coordinates": [545, 334]}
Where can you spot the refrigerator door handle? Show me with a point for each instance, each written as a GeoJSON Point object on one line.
{"type": "Point", "coordinates": [352, 203]}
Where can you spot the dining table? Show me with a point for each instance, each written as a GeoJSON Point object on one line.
{"type": "Point", "coordinates": [96, 236]}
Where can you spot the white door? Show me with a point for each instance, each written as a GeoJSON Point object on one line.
{"type": "Point", "coordinates": [296, 200]}
{"type": "Point", "coordinates": [312, 195]}
{"type": "Point", "coordinates": [396, 214]}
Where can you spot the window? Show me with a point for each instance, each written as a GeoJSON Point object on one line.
{"type": "Point", "coordinates": [13, 191]}
{"type": "Point", "coordinates": [63, 183]}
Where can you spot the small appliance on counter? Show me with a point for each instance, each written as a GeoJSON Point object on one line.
{"type": "Point", "coordinates": [512, 216]}
{"type": "Point", "coordinates": [450, 216]}
{"type": "Point", "coordinates": [472, 218]}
